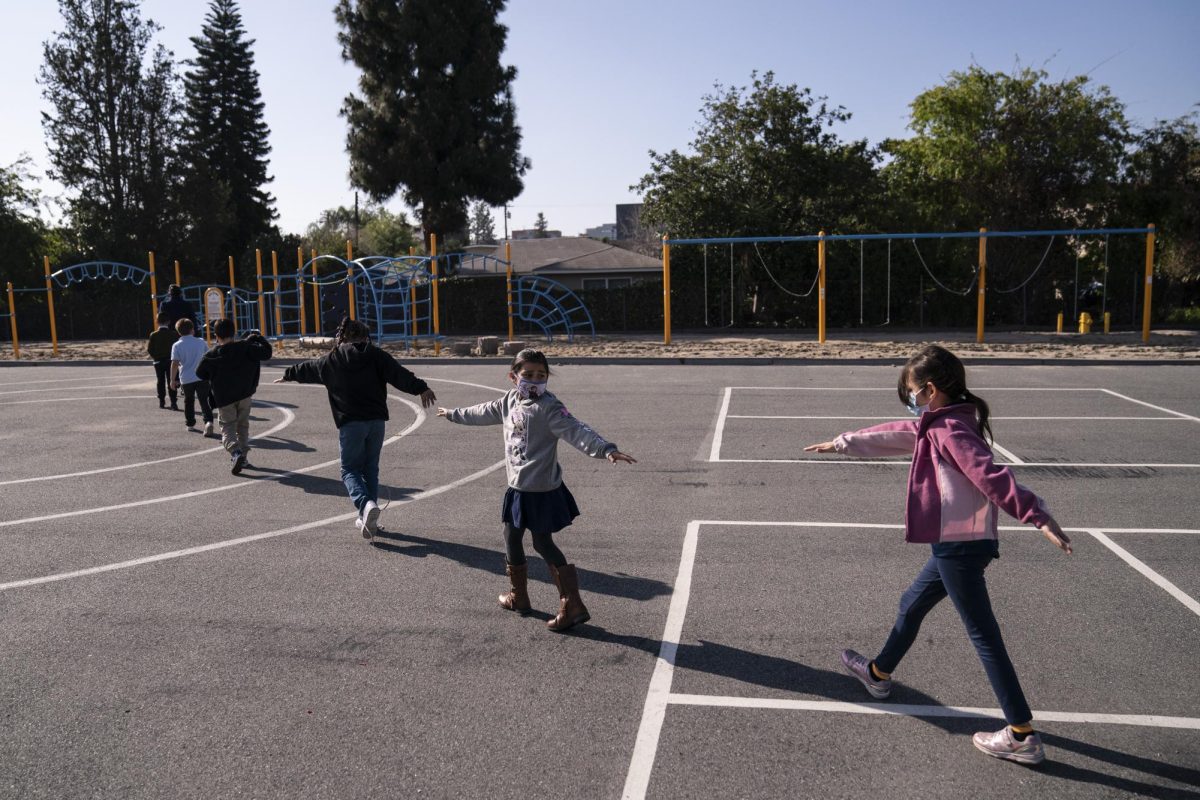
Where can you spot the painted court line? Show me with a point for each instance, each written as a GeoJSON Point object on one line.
{"type": "Point", "coordinates": [886, 418]}
{"type": "Point", "coordinates": [659, 695]}
{"type": "Point", "coordinates": [905, 462]}
{"type": "Point", "coordinates": [191, 551]}
{"type": "Point", "coordinates": [925, 710]}
{"type": "Point", "coordinates": [76, 380]}
{"type": "Point", "coordinates": [1154, 577]}
{"type": "Point", "coordinates": [1149, 405]}
{"type": "Point", "coordinates": [288, 418]}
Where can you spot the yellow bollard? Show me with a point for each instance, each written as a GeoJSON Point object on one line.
{"type": "Point", "coordinates": [1107, 320]}
{"type": "Point", "coordinates": [1085, 322]}
{"type": "Point", "coordinates": [1060, 321]}
{"type": "Point", "coordinates": [12, 320]}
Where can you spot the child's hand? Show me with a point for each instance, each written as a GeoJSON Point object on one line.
{"type": "Point", "coordinates": [1056, 536]}
{"type": "Point", "coordinates": [617, 455]}
{"type": "Point", "coordinates": [823, 447]}
{"type": "Point", "coordinates": [442, 411]}
{"type": "Point", "coordinates": [280, 380]}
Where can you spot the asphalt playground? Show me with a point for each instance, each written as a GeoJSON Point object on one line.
{"type": "Point", "coordinates": [168, 630]}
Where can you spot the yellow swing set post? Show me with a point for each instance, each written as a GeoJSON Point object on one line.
{"type": "Point", "coordinates": [316, 293]}
{"type": "Point", "coordinates": [437, 326]}
{"type": "Point", "coordinates": [275, 293]}
{"type": "Point", "coordinates": [666, 282]}
{"type": "Point", "coordinates": [232, 297]}
{"type": "Point", "coordinates": [350, 280]}
{"type": "Point", "coordinates": [50, 306]}
{"type": "Point", "coordinates": [153, 293]}
{"type": "Point", "coordinates": [979, 311]}
{"type": "Point", "coordinates": [300, 290]}
{"type": "Point", "coordinates": [262, 312]}
{"type": "Point", "coordinates": [821, 287]}
{"type": "Point", "coordinates": [1149, 284]}
{"type": "Point", "coordinates": [508, 278]}
{"type": "Point", "coordinates": [12, 321]}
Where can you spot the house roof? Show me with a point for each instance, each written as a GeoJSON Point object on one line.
{"type": "Point", "coordinates": [568, 254]}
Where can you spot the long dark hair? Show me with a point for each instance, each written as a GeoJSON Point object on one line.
{"type": "Point", "coordinates": [351, 330]}
{"type": "Point", "coordinates": [937, 365]}
{"type": "Point", "coordinates": [529, 356]}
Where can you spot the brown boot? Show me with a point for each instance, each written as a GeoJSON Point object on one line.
{"type": "Point", "coordinates": [571, 610]}
{"type": "Point", "coordinates": [518, 598]}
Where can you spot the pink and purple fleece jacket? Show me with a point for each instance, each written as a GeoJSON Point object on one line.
{"type": "Point", "coordinates": [954, 485]}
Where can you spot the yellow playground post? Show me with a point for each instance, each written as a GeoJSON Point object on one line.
{"type": "Point", "coordinates": [153, 294]}
{"type": "Point", "coordinates": [275, 293]}
{"type": "Point", "coordinates": [437, 325]}
{"type": "Point", "coordinates": [666, 281]}
{"type": "Point", "coordinates": [350, 279]}
{"type": "Point", "coordinates": [12, 321]}
{"type": "Point", "coordinates": [1149, 283]}
{"type": "Point", "coordinates": [300, 290]}
{"type": "Point", "coordinates": [508, 273]}
{"type": "Point", "coordinates": [821, 287]}
{"type": "Point", "coordinates": [178, 280]}
{"type": "Point", "coordinates": [50, 307]}
{"type": "Point", "coordinates": [982, 284]}
{"type": "Point", "coordinates": [316, 287]}
{"type": "Point", "coordinates": [262, 312]}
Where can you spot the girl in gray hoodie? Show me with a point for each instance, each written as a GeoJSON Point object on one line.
{"type": "Point", "coordinates": [537, 499]}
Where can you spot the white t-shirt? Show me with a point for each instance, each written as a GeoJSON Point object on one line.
{"type": "Point", "coordinates": [188, 351]}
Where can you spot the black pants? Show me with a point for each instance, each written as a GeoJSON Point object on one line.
{"type": "Point", "coordinates": [162, 375]}
{"type": "Point", "coordinates": [202, 390]}
{"type": "Point", "coordinates": [543, 543]}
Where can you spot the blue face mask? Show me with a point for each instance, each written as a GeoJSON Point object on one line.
{"type": "Point", "coordinates": [913, 408]}
{"type": "Point", "coordinates": [530, 389]}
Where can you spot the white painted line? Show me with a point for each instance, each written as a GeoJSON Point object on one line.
{"type": "Point", "coordinates": [637, 780]}
{"type": "Point", "coordinates": [241, 484]}
{"type": "Point", "coordinates": [77, 380]}
{"type": "Point", "coordinates": [883, 461]}
{"type": "Point", "coordinates": [1009, 454]}
{"type": "Point", "coordinates": [1149, 405]}
{"type": "Point", "coordinates": [138, 385]}
{"type": "Point", "coordinates": [719, 430]}
{"type": "Point", "coordinates": [757, 523]}
{"type": "Point", "coordinates": [137, 562]}
{"type": "Point", "coordinates": [1154, 577]}
{"type": "Point", "coordinates": [288, 419]}
{"type": "Point", "coordinates": [77, 399]}
{"type": "Point", "coordinates": [893, 416]}
{"type": "Point", "coordinates": [914, 710]}
{"type": "Point", "coordinates": [893, 389]}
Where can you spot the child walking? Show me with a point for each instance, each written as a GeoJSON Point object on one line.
{"type": "Point", "coordinates": [185, 357]}
{"type": "Point", "coordinates": [537, 500]}
{"type": "Point", "coordinates": [356, 375]}
{"type": "Point", "coordinates": [159, 348]}
{"type": "Point", "coordinates": [232, 369]}
{"type": "Point", "coordinates": [954, 489]}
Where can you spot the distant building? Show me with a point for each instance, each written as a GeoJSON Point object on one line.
{"type": "Point", "coordinates": [532, 233]}
{"type": "Point", "coordinates": [606, 231]}
{"type": "Point", "coordinates": [575, 261]}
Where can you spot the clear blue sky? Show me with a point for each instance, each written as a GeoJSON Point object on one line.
{"type": "Point", "coordinates": [601, 82]}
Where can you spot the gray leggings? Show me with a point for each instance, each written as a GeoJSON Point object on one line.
{"type": "Point", "coordinates": [543, 543]}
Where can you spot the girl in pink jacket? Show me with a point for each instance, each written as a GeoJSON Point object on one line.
{"type": "Point", "coordinates": [954, 489]}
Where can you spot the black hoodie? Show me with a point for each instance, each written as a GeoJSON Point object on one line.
{"type": "Point", "coordinates": [232, 368]}
{"type": "Point", "coordinates": [356, 376]}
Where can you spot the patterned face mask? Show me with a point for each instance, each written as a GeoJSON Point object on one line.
{"type": "Point", "coordinates": [913, 408]}
{"type": "Point", "coordinates": [530, 389]}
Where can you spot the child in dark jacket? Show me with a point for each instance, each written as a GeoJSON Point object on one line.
{"type": "Point", "coordinates": [232, 369]}
{"type": "Point", "coordinates": [356, 375]}
{"type": "Point", "coordinates": [159, 348]}
{"type": "Point", "coordinates": [954, 490]}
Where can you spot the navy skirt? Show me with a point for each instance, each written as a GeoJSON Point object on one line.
{"type": "Point", "coordinates": [539, 512]}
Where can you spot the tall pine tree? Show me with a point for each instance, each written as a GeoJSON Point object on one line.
{"type": "Point", "coordinates": [435, 117]}
{"type": "Point", "coordinates": [113, 127]}
{"type": "Point", "coordinates": [226, 145]}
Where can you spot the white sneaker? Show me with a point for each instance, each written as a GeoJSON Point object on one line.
{"type": "Point", "coordinates": [361, 528]}
{"type": "Point", "coordinates": [208, 429]}
{"type": "Point", "coordinates": [370, 519]}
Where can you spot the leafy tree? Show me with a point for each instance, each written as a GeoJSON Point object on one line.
{"type": "Point", "coordinates": [540, 226]}
{"type": "Point", "coordinates": [22, 231]}
{"type": "Point", "coordinates": [435, 118]}
{"type": "Point", "coordinates": [381, 233]}
{"type": "Point", "coordinates": [483, 227]}
{"type": "Point", "coordinates": [1009, 152]}
{"type": "Point", "coordinates": [1162, 186]}
{"type": "Point", "coordinates": [225, 143]}
{"type": "Point", "coordinates": [765, 161]}
{"type": "Point", "coordinates": [112, 131]}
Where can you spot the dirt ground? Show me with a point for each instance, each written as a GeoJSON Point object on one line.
{"type": "Point", "coordinates": [839, 344]}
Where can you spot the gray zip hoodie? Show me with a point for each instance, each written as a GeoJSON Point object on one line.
{"type": "Point", "coordinates": [532, 429]}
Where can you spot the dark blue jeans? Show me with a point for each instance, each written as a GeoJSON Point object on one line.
{"type": "Point", "coordinates": [962, 579]}
{"type": "Point", "coordinates": [361, 442]}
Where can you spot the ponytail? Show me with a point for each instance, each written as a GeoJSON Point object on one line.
{"type": "Point", "coordinates": [982, 412]}
{"type": "Point", "coordinates": [351, 330]}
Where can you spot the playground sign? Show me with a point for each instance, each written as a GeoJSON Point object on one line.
{"type": "Point", "coordinates": [214, 308]}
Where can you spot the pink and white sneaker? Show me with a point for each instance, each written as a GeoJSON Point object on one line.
{"type": "Point", "coordinates": [1002, 744]}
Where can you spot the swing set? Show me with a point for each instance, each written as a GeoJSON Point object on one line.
{"type": "Point", "coordinates": [978, 284]}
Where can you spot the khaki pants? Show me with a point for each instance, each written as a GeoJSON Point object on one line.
{"type": "Point", "coordinates": [235, 426]}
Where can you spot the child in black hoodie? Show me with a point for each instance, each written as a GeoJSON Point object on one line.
{"type": "Point", "coordinates": [231, 368]}
{"type": "Point", "coordinates": [356, 374]}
